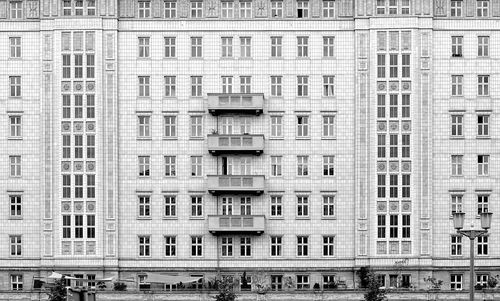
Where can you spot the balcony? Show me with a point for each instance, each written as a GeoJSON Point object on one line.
{"type": "Point", "coordinates": [236, 103]}
{"type": "Point", "coordinates": [235, 144]}
{"type": "Point", "coordinates": [246, 184]}
{"type": "Point", "coordinates": [236, 224]}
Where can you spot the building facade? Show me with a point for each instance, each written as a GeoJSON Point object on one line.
{"type": "Point", "coordinates": [293, 141]}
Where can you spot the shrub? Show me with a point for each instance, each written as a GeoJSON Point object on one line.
{"type": "Point", "coordinates": [119, 286]}
{"type": "Point", "coordinates": [374, 293]}
{"type": "Point", "coordinates": [58, 291]}
{"type": "Point", "coordinates": [226, 292]}
{"type": "Point", "coordinates": [363, 273]}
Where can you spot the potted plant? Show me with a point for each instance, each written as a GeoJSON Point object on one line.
{"type": "Point", "coordinates": [493, 281]}
{"type": "Point", "coordinates": [119, 286]}
{"type": "Point", "coordinates": [433, 283]}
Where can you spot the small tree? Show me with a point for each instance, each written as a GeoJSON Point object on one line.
{"type": "Point", "coordinates": [58, 291]}
{"type": "Point", "coordinates": [374, 293]}
{"type": "Point", "coordinates": [363, 276]}
{"type": "Point", "coordinates": [226, 291]}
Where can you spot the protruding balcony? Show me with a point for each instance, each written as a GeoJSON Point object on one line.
{"type": "Point", "coordinates": [236, 224]}
{"type": "Point", "coordinates": [235, 144]}
{"type": "Point", "coordinates": [235, 103]}
{"type": "Point", "coordinates": [236, 184]}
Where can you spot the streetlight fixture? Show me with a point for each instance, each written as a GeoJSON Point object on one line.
{"type": "Point", "coordinates": [458, 223]}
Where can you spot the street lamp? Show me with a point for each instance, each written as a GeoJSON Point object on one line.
{"type": "Point", "coordinates": [458, 223]}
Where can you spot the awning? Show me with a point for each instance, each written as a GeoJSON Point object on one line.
{"type": "Point", "coordinates": [55, 275]}
{"type": "Point", "coordinates": [170, 279]}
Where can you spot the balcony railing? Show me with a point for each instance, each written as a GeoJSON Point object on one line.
{"type": "Point", "coordinates": [235, 224]}
{"type": "Point", "coordinates": [235, 144]}
{"type": "Point", "coordinates": [240, 103]}
{"type": "Point", "coordinates": [241, 184]}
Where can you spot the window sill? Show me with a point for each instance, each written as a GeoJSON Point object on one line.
{"type": "Point", "coordinates": [457, 137]}
{"type": "Point", "coordinates": [144, 218]}
{"type": "Point", "coordinates": [14, 138]}
{"type": "Point", "coordinates": [170, 218]}
{"type": "Point", "coordinates": [170, 97]}
{"type": "Point", "coordinates": [328, 138]}
{"type": "Point", "coordinates": [144, 97]}
{"type": "Point", "coordinates": [15, 58]}
{"type": "Point", "coordinates": [483, 137]}
{"type": "Point", "coordinates": [276, 58]}
{"type": "Point", "coordinates": [276, 218]}
{"type": "Point", "coordinates": [302, 138]}
{"type": "Point", "coordinates": [144, 138]}
{"type": "Point", "coordinates": [170, 138]}
{"type": "Point", "coordinates": [303, 58]}
{"type": "Point", "coordinates": [302, 218]}
{"type": "Point", "coordinates": [144, 58]}
{"type": "Point", "coordinates": [144, 177]}
{"type": "Point", "coordinates": [15, 217]}
{"type": "Point", "coordinates": [170, 58]}
{"type": "Point", "coordinates": [457, 176]}
{"type": "Point", "coordinates": [246, 58]}
{"type": "Point", "coordinates": [457, 57]}
{"type": "Point", "coordinates": [483, 96]}
{"type": "Point", "coordinates": [197, 138]}
{"type": "Point", "coordinates": [169, 177]}
{"type": "Point", "coordinates": [199, 218]}
{"type": "Point", "coordinates": [328, 217]}
{"type": "Point", "coordinates": [276, 138]}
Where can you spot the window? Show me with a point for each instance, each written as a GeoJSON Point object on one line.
{"type": "Point", "coordinates": [456, 245]}
{"type": "Point", "coordinates": [456, 165]}
{"type": "Point", "coordinates": [456, 282]}
{"type": "Point", "coordinates": [78, 106]}
{"type": "Point", "coordinates": [393, 106]}
{"type": "Point", "coordinates": [15, 126]}
{"type": "Point", "coordinates": [276, 126]}
{"type": "Point", "coordinates": [456, 46]}
{"type": "Point", "coordinates": [170, 246]}
{"type": "Point", "coordinates": [393, 149]}
{"type": "Point", "coordinates": [90, 146]}
{"type": "Point", "coordinates": [196, 47]}
{"type": "Point", "coordinates": [276, 282]}
{"type": "Point", "coordinates": [78, 65]}
{"type": "Point", "coordinates": [144, 206]}
{"type": "Point", "coordinates": [66, 226]}
{"type": "Point", "coordinates": [302, 206]}
{"type": "Point", "coordinates": [482, 203]}
{"type": "Point", "coordinates": [15, 206]}
{"type": "Point", "coordinates": [78, 226]}
{"type": "Point", "coordinates": [196, 166]}
{"type": "Point", "coordinates": [144, 126]}
{"type": "Point", "coordinates": [303, 282]}
{"type": "Point", "coordinates": [16, 282]}
{"type": "Point", "coordinates": [196, 206]}
{"type": "Point", "coordinates": [393, 65]}
{"type": "Point", "coordinates": [405, 7]}
{"type": "Point", "coordinates": [380, 7]}
{"type": "Point", "coordinates": [143, 284]}
{"type": "Point", "coordinates": [90, 106]}
{"type": "Point", "coordinates": [328, 86]}
{"type": "Point", "coordinates": [406, 229]}
{"type": "Point", "coordinates": [482, 280]}
{"type": "Point", "coordinates": [78, 146]}
{"type": "Point", "coordinates": [170, 44]}
{"type": "Point", "coordinates": [91, 8]}
{"type": "Point", "coordinates": [302, 86]}
{"type": "Point", "coordinates": [144, 166]}
{"type": "Point", "coordinates": [483, 125]}
{"type": "Point", "coordinates": [483, 46]}
{"type": "Point", "coordinates": [144, 9]}
{"type": "Point", "coordinates": [15, 86]}
{"type": "Point", "coordinates": [170, 86]}
{"type": "Point", "coordinates": [245, 84]}
{"type": "Point", "coordinates": [328, 44]}
{"type": "Point", "coordinates": [144, 246]}
{"type": "Point", "coordinates": [328, 245]}
{"type": "Point", "coordinates": [15, 47]}
{"type": "Point", "coordinates": [66, 186]}
{"type": "Point", "coordinates": [302, 46]}
{"type": "Point", "coordinates": [302, 246]}
{"type": "Point", "coordinates": [456, 203]}
{"type": "Point", "coordinates": [457, 125]}
{"type": "Point", "coordinates": [405, 105]}
{"type": "Point", "coordinates": [302, 9]}
{"type": "Point", "coordinates": [144, 47]}
{"type": "Point", "coordinates": [15, 245]}
{"type": "Point", "coordinates": [302, 126]}
{"type": "Point", "coordinates": [328, 126]}
{"type": "Point", "coordinates": [483, 85]}
{"type": "Point", "coordinates": [328, 206]}
{"type": "Point", "coordinates": [66, 65]}
{"type": "Point", "coordinates": [456, 8]}
{"type": "Point", "coordinates": [381, 65]}
{"type": "Point", "coordinates": [245, 46]}
{"type": "Point", "coordinates": [90, 226]}
{"type": "Point", "coordinates": [276, 8]}
{"type": "Point", "coordinates": [381, 146]}
{"type": "Point", "coordinates": [276, 86]}
{"type": "Point", "coordinates": [245, 8]}
{"type": "Point", "coordinates": [457, 85]}
{"type": "Point", "coordinates": [276, 46]}
{"type": "Point", "coordinates": [196, 9]}
{"type": "Point", "coordinates": [405, 65]}
{"type": "Point", "coordinates": [15, 166]}
{"type": "Point", "coordinates": [227, 9]}
{"type": "Point", "coordinates": [66, 143]}
{"type": "Point", "coordinates": [226, 246]}
{"type": "Point", "coordinates": [227, 46]}
{"type": "Point", "coordinates": [329, 282]}
{"type": "Point", "coordinates": [170, 9]}
{"type": "Point", "coordinates": [79, 7]}
{"type": "Point", "coordinates": [91, 186]}
{"type": "Point", "coordinates": [196, 246]}
{"type": "Point", "coordinates": [405, 188]}
{"type": "Point", "coordinates": [196, 126]}
{"type": "Point", "coordinates": [381, 106]}
{"type": "Point", "coordinates": [196, 82]}
{"type": "Point", "coordinates": [144, 86]}
{"type": "Point", "coordinates": [328, 9]}
{"type": "Point", "coordinates": [16, 9]}
{"type": "Point", "coordinates": [170, 166]}
{"type": "Point", "coordinates": [302, 165]}
{"type": "Point", "coordinates": [276, 166]}
{"type": "Point", "coordinates": [393, 226]}
{"type": "Point", "coordinates": [246, 206]}
{"type": "Point", "coordinates": [482, 165]}
{"type": "Point", "coordinates": [276, 206]}
{"type": "Point", "coordinates": [227, 84]}
{"type": "Point", "coordinates": [227, 206]}
{"type": "Point", "coordinates": [276, 246]}
{"type": "Point", "coordinates": [482, 8]}
{"type": "Point", "coordinates": [66, 7]}
{"type": "Point", "coordinates": [170, 206]}
{"type": "Point", "coordinates": [328, 165]}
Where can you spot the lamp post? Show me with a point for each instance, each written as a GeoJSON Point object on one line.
{"type": "Point", "coordinates": [458, 223]}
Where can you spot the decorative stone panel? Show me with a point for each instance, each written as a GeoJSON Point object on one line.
{"type": "Point", "coordinates": [381, 206]}
{"type": "Point", "coordinates": [406, 126]}
{"type": "Point", "coordinates": [394, 126]}
{"type": "Point", "coordinates": [66, 207]}
{"type": "Point", "coordinates": [394, 166]}
{"type": "Point", "coordinates": [406, 206]}
{"type": "Point", "coordinates": [394, 207]}
{"type": "Point", "coordinates": [90, 126]}
{"type": "Point", "coordinates": [91, 166]}
{"type": "Point", "coordinates": [90, 207]}
{"type": "Point", "coordinates": [406, 166]}
{"type": "Point", "coordinates": [381, 86]}
{"type": "Point", "coordinates": [65, 166]}
{"type": "Point", "coordinates": [382, 126]}
{"type": "Point", "coordinates": [381, 166]}
{"type": "Point", "coordinates": [79, 207]}
{"type": "Point", "coordinates": [78, 166]}
{"type": "Point", "coordinates": [78, 126]}
{"type": "Point", "coordinates": [66, 126]}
